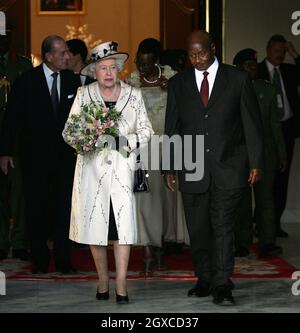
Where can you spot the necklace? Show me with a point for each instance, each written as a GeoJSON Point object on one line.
{"type": "Point", "coordinates": [159, 76]}
{"type": "Point", "coordinates": [108, 98]}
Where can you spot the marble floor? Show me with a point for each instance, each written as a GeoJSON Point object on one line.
{"type": "Point", "coordinates": [150, 296]}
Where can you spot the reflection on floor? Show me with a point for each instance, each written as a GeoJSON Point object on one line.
{"type": "Point", "coordinates": [156, 296]}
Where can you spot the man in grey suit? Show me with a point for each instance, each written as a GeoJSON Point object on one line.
{"type": "Point", "coordinates": [218, 102]}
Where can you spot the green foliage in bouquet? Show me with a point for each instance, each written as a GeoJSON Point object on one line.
{"type": "Point", "coordinates": [87, 131]}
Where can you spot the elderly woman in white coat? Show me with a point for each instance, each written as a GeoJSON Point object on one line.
{"type": "Point", "coordinates": [103, 204]}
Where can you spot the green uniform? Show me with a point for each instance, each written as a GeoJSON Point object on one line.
{"type": "Point", "coordinates": [11, 194]}
{"type": "Point", "coordinates": [274, 153]}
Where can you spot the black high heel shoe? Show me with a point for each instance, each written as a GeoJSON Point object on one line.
{"type": "Point", "coordinates": [122, 299]}
{"type": "Point", "coordinates": [102, 296]}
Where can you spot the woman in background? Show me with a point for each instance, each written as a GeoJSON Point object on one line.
{"type": "Point", "coordinates": [159, 211]}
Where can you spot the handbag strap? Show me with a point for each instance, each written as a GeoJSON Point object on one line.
{"type": "Point", "coordinates": [138, 158]}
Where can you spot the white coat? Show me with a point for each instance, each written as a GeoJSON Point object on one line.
{"type": "Point", "coordinates": [101, 176]}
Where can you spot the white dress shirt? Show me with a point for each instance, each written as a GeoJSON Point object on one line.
{"type": "Point", "coordinates": [83, 79]}
{"type": "Point", "coordinates": [48, 72]}
{"type": "Point", "coordinates": [287, 111]}
{"type": "Point", "coordinates": [212, 70]}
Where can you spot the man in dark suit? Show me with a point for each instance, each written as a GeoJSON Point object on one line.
{"type": "Point", "coordinates": [37, 109]}
{"type": "Point", "coordinates": [286, 79]}
{"type": "Point", "coordinates": [218, 102]}
{"type": "Point", "coordinates": [77, 60]}
{"type": "Point", "coordinates": [274, 160]}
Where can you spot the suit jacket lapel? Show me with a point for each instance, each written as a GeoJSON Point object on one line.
{"type": "Point", "coordinates": [193, 87]}
{"type": "Point", "coordinates": [219, 87]}
{"type": "Point", "coordinates": [43, 85]}
{"type": "Point", "coordinates": [63, 88]}
{"type": "Point", "coordinates": [94, 93]}
{"type": "Point", "coordinates": [124, 96]}
{"type": "Point", "coordinates": [264, 74]}
{"type": "Point", "coordinates": [284, 76]}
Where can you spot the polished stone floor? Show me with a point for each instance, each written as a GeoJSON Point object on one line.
{"type": "Point", "coordinates": [150, 296]}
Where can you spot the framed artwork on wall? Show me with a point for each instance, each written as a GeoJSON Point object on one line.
{"type": "Point", "coordinates": [61, 7]}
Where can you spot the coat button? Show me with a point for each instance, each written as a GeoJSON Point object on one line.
{"type": "Point", "coordinates": [208, 150]}
{"type": "Point", "coordinates": [206, 116]}
{"type": "Point", "coordinates": [109, 162]}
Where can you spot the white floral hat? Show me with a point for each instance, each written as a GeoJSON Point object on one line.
{"type": "Point", "coordinates": [107, 50]}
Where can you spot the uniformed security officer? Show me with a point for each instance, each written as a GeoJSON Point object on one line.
{"type": "Point", "coordinates": [275, 158]}
{"type": "Point", "coordinates": [12, 225]}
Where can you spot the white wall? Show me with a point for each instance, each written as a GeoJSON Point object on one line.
{"type": "Point", "coordinates": [251, 24]}
{"type": "Point", "coordinates": [125, 21]}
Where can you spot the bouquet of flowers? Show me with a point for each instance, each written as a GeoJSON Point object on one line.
{"type": "Point", "coordinates": [87, 130]}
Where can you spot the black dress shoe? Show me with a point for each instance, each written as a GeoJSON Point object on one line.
{"type": "Point", "coordinates": [222, 295]}
{"type": "Point", "coordinates": [122, 299]}
{"type": "Point", "coordinates": [281, 233]}
{"type": "Point", "coordinates": [242, 252]}
{"type": "Point", "coordinates": [3, 254]}
{"type": "Point", "coordinates": [201, 289]}
{"type": "Point", "coordinates": [269, 251]}
{"type": "Point", "coordinates": [21, 254]}
{"type": "Point", "coordinates": [102, 296]}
